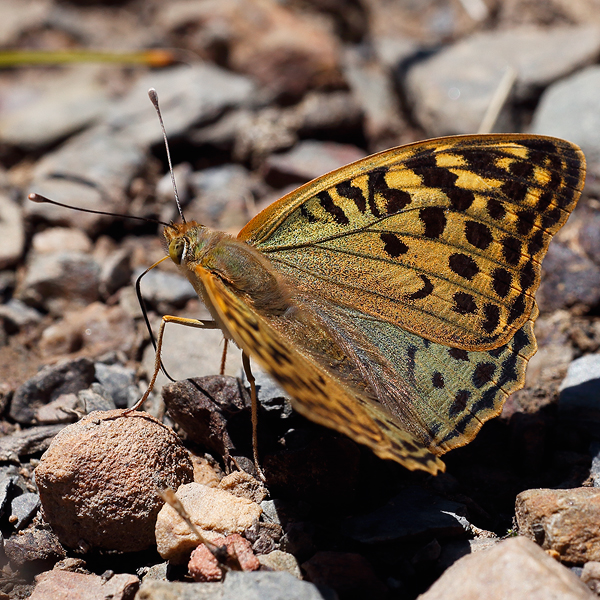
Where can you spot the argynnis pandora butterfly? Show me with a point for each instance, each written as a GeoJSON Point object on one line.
{"type": "Point", "coordinates": [393, 299]}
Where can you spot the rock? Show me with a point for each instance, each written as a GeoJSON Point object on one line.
{"type": "Point", "coordinates": [568, 109]}
{"type": "Point", "coordinates": [67, 408]}
{"type": "Point", "coordinates": [91, 170]}
{"type": "Point", "coordinates": [7, 485]}
{"type": "Point", "coordinates": [579, 391]}
{"type": "Point", "coordinates": [17, 315]}
{"type": "Point", "coordinates": [97, 328]}
{"type": "Point", "coordinates": [23, 509]}
{"type": "Point", "coordinates": [587, 238]}
{"type": "Point", "coordinates": [164, 290]}
{"type": "Point", "coordinates": [68, 376]}
{"type": "Point", "coordinates": [206, 409]}
{"type": "Point", "coordinates": [271, 396]}
{"type": "Point", "coordinates": [309, 159]}
{"type": "Point", "coordinates": [223, 195]}
{"type": "Point", "coordinates": [292, 54]}
{"type": "Point", "coordinates": [413, 512]}
{"type": "Point", "coordinates": [591, 576]}
{"type": "Point", "coordinates": [54, 281]}
{"type": "Point", "coordinates": [12, 231]}
{"type": "Point", "coordinates": [53, 106]}
{"type": "Point", "coordinates": [549, 364]}
{"type": "Point", "coordinates": [243, 485]}
{"type": "Point", "coordinates": [350, 575]}
{"type": "Point", "coordinates": [98, 480]}
{"type": "Point", "coordinates": [237, 585]}
{"type": "Point", "coordinates": [272, 586]}
{"type": "Point", "coordinates": [206, 472]}
{"type": "Point", "coordinates": [55, 584]}
{"type": "Point", "coordinates": [456, 549]}
{"type": "Point", "coordinates": [115, 272]}
{"type": "Point", "coordinates": [373, 87]}
{"type": "Point", "coordinates": [568, 279]}
{"type": "Point", "coordinates": [188, 94]}
{"type": "Point", "coordinates": [281, 561]}
{"type": "Point", "coordinates": [203, 566]}
{"type": "Point", "coordinates": [33, 545]}
{"type": "Point", "coordinates": [451, 91]}
{"type": "Point", "coordinates": [211, 510]}
{"type": "Point", "coordinates": [95, 398]}
{"type": "Point", "coordinates": [27, 442]}
{"type": "Point", "coordinates": [566, 522]}
{"type": "Point", "coordinates": [118, 381]}
{"type": "Point", "coordinates": [515, 568]}
{"type": "Point", "coordinates": [61, 239]}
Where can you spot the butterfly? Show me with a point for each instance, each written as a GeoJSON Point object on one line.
{"type": "Point", "coordinates": [393, 299]}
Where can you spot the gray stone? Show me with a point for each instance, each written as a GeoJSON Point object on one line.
{"type": "Point", "coordinates": [33, 544]}
{"type": "Point", "coordinates": [311, 158]}
{"type": "Point", "coordinates": [223, 196]}
{"type": "Point", "coordinates": [260, 585]}
{"type": "Point", "coordinates": [55, 280]}
{"type": "Point", "coordinates": [66, 377]}
{"type": "Point", "coordinates": [451, 91]}
{"type": "Point", "coordinates": [177, 590]}
{"type": "Point", "coordinates": [24, 508]}
{"type": "Point", "coordinates": [7, 483]}
{"type": "Point", "coordinates": [413, 512]}
{"type": "Point", "coordinates": [373, 88]}
{"type": "Point", "coordinates": [54, 105]}
{"type": "Point", "coordinates": [569, 109]}
{"type": "Point", "coordinates": [516, 568]}
{"type": "Point", "coordinates": [580, 391]}
{"type": "Point", "coordinates": [17, 314]}
{"type": "Point", "coordinates": [117, 381]}
{"type": "Point", "coordinates": [92, 170]}
{"type": "Point", "coordinates": [270, 395]}
{"type": "Point", "coordinates": [160, 287]}
{"type": "Point", "coordinates": [116, 272]}
{"type": "Point", "coordinates": [96, 398]}
{"type": "Point", "coordinates": [189, 95]}
{"type": "Point", "coordinates": [190, 352]}
{"type": "Point", "coordinates": [12, 231]}
{"type": "Point", "coordinates": [28, 441]}
{"type": "Point", "coordinates": [595, 467]}
{"type": "Point", "coordinates": [568, 279]}
{"type": "Point", "coordinates": [65, 409]}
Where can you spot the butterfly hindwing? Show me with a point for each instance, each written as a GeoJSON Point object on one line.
{"type": "Point", "coordinates": [314, 392]}
{"type": "Point", "coordinates": [444, 238]}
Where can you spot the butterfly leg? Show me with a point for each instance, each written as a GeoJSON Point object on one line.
{"type": "Point", "coordinates": [224, 357]}
{"type": "Point", "coordinates": [157, 361]}
{"type": "Point", "coordinates": [254, 399]}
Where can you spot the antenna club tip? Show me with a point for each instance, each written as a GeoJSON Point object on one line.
{"type": "Point", "coordinates": [153, 95]}
{"type": "Point", "coordinates": [36, 198]}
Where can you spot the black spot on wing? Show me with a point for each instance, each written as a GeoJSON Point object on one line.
{"type": "Point", "coordinates": [464, 304]}
{"type": "Point", "coordinates": [424, 291]}
{"type": "Point", "coordinates": [478, 234]}
{"type": "Point", "coordinates": [501, 282]}
{"type": "Point", "coordinates": [464, 266]}
{"type": "Point", "coordinates": [434, 219]}
{"type": "Point", "coordinates": [393, 246]}
{"type": "Point", "coordinates": [329, 206]}
{"type": "Point", "coordinates": [347, 190]}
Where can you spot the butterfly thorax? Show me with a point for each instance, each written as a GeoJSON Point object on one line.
{"type": "Point", "coordinates": [196, 248]}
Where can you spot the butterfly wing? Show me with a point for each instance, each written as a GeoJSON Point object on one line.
{"type": "Point", "coordinates": [315, 393]}
{"type": "Point", "coordinates": [444, 238]}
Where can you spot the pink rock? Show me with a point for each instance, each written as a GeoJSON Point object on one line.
{"type": "Point", "coordinates": [98, 481]}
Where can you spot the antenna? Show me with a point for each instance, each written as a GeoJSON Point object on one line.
{"type": "Point", "coordinates": [152, 94]}
{"type": "Point", "coordinates": [39, 199]}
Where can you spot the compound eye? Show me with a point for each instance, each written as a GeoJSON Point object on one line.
{"type": "Point", "coordinates": [178, 249]}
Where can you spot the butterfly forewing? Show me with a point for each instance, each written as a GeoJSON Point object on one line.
{"type": "Point", "coordinates": [444, 238]}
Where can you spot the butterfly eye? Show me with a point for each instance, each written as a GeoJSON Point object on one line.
{"type": "Point", "coordinates": [178, 249]}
